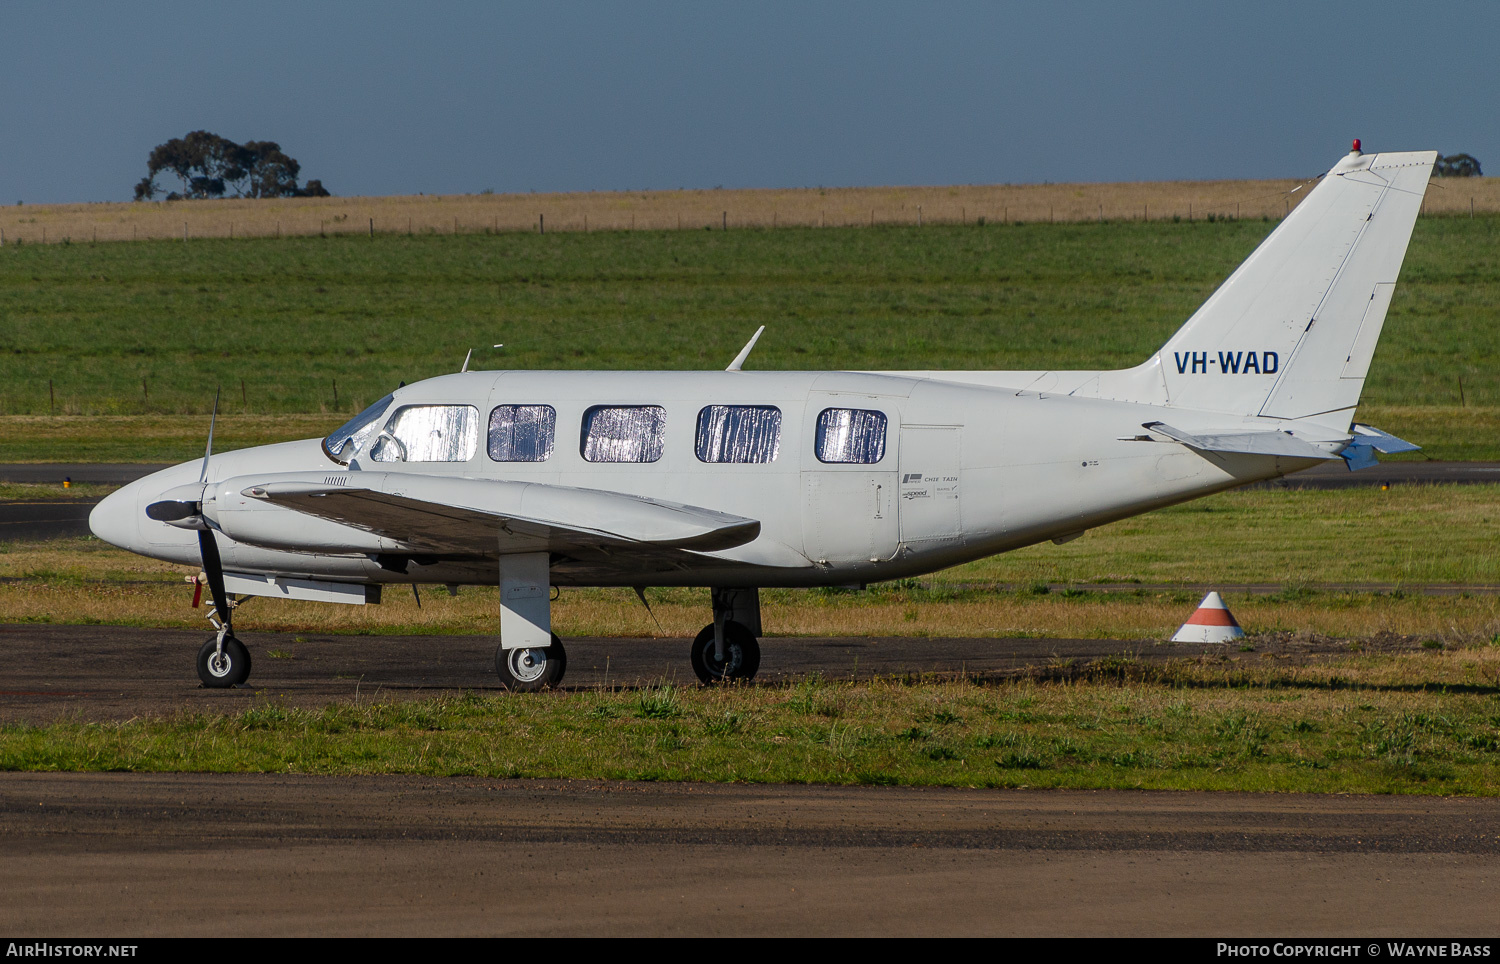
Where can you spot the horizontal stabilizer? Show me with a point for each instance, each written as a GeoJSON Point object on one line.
{"type": "Point", "coordinates": [1360, 452]}
{"type": "Point", "coordinates": [1282, 444]}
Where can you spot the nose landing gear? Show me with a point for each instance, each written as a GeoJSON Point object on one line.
{"type": "Point", "coordinates": [223, 661]}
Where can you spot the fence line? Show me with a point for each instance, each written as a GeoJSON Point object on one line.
{"type": "Point", "coordinates": [189, 221]}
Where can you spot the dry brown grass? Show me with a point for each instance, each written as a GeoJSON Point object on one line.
{"type": "Point", "coordinates": [617, 613]}
{"type": "Point", "coordinates": [660, 210]}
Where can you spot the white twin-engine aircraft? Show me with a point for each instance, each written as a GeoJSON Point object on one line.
{"type": "Point", "coordinates": [737, 480]}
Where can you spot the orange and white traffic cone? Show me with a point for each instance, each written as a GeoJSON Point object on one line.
{"type": "Point", "coordinates": [1212, 623]}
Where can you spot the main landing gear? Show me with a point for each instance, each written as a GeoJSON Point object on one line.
{"type": "Point", "coordinates": [527, 670]}
{"type": "Point", "coordinates": [531, 658]}
{"type": "Point", "coordinates": [727, 649]}
{"type": "Point", "coordinates": [736, 658]}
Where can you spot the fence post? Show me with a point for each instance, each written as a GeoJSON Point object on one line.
{"type": "Point", "coordinates": [184, 230]}
{"type": "Point", "coordinates": [919, 215]}
{"type": "Point", "coordinates": [724, 220]}
{"type": "Point", "coordinates": [372, 227]}
{"type": "Point", "coordinates": [541, 224]}
{"type": "Point", "coordinates": [52, 397]}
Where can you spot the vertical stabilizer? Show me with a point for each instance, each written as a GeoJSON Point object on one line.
{"type": "Point", "coordinates": [1292, 332]}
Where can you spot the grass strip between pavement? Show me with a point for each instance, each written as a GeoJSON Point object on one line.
{"type": "Point", "coordinates": [1422, 723]}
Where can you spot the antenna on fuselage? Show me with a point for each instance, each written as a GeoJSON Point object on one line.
{"type": "Point", "coordinates": [471, 355]}
{"type": "Point", "coordinates": [739, 359]}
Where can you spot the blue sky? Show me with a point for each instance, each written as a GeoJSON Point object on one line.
{"type": "Point", "coordinates": [395, 98]}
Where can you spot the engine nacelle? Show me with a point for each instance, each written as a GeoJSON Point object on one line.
{"type": "Point", "coordinates": [259, 523]}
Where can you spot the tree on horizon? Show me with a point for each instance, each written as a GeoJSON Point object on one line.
{"type": "Point", "coordinates": [211, 166]}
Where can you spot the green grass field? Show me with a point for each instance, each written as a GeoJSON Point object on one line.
{"type": "Point", "coordinates": [282, 325]}
{"type": "Point", "coordinates": [1420, 723]}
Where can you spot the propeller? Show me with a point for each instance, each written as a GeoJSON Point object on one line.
{"type": "Point", "coordinates": [183, 507]}
{"type": "Point", "coordinates": [208, 545]}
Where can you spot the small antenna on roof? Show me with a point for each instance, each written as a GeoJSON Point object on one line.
{"type": "Point", "coordinates": [739, 359]}
{"type": "Point", "coordinates": [471, 355]}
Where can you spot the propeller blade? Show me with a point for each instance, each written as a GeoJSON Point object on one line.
{"type": "Point", "coordinates": [209, 450]}
{"type": "Point", "coordinates": [213, 567]}
{"type": "Point", "coordinates": [208, 545]}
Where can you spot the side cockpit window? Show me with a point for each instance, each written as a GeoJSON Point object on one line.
{"type": "Point", "coordinates": [351, 437]}
{"type": "Point", "coordinates": [428, 433]}
{"type": "Point", "coordinates": [522, 433]}
{"type": "Point", "coordinates": [739, 433]}
{"type": "Point", "coordinates": [851, 435]}
{"type": "Point", "coordinates": [623, 433]}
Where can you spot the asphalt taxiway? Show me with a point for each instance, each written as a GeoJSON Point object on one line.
{"type": "Point", "coordinates": [266, 854]}
{"type": "Point", "coordinates": [111, 673]}
{"type": "Point", "coordinates": [222, 855]}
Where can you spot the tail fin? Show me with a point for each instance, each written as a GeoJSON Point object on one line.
{"type": "Point", "coordinates": [1292, 332]}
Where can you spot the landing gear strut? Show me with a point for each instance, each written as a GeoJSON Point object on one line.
{"type": "Point", "coordinates": [223, 661]}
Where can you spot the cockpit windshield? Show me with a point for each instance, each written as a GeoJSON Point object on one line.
{"type": "Point", "coordinates": [342, 445]}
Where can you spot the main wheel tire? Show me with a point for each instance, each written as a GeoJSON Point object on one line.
{"type": "Point", "coordinates": [226, 669]}
{"type": "Point", "coordinates": [530, 670]}
{"type": "Point", "coordinates": [741, 654]}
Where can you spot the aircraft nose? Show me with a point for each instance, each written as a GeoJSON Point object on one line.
{"type": "Point", "coordinates": [116, 518]}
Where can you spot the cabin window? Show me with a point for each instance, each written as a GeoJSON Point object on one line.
{"type": "Point", "coordinates": [851, 435]}
{"type": "Point", "coordinates": [623, 433]}
{"type": "Point", "coordinates": [522, 433]}
{"type": "Point", "coordinates": [428, 433]}
{"type": "Point", "coordinates": [344, 444]}
{"type": "Point", "coordinates": [739, 433]}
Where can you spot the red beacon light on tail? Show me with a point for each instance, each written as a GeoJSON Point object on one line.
{"type": "Point", "coordinates": [1355, 148]}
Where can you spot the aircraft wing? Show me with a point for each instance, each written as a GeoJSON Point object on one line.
{"type": "Point", "coordinates": [477, 517]}
{"type": "Point", "coordinates": [1244, 443]}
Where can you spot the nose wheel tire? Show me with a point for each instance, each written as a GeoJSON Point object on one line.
{"type": "Point", "coordinates": [221, 670]}
{"type": "Point", "coordinates": [741, 654]}
{"type": "Point", "coordinates": [531, 670]}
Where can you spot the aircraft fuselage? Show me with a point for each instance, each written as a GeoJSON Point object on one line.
{"type": "Point", "coordinates": [966, 472]}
